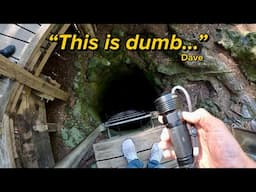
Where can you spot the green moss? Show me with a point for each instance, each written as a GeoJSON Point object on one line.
{"type": "Point", "coordinates": [242, 48]}
{"type": "Point", "coordinates": [149, 64]}
{"type": "Point", "coordinates": [117, 32]}
{"type": "Point", "coordinates": [81, 118]}
{"type": "Point", "coordinates": [250, 71]}
{"type": "Point", "coordinates": [72, 137]}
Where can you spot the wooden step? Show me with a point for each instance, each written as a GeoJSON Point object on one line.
{"type": "Point", "coordinates": [108, 153]}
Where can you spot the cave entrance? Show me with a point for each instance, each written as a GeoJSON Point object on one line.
{"type": "Point", "coordinates": [127, 90]}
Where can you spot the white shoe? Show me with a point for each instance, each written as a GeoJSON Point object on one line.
{"type": "Point", "coordinates": [129, 150]}
{"type": "Point", "coordinates": [156, 153]}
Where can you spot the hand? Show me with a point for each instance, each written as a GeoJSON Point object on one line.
{"type": "Point", "coordinates": [217, 147]}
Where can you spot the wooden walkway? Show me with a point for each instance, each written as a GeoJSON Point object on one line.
{"type": "Point", "coordinates": [19, 35]}
{"type": "Point", "coordinates": [32, 52]}
{"type": "Point", "coordinates": [108, 152]}
{"type": "Point", "coordinates": [22, 93]}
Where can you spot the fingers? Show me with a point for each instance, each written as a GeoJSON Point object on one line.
{"type": "Point", "coordinates": [169, 154]}
{"type": "Point", "coordinates": [160, 119]}
{"type": "Point", "coordinates": [165, 136]}
{"type": "Point", "coordinates": [164, 145]}
{"type": "Point", "coordinates": [196, 117]}
{"type": "Point", "coordinates": [165, 142]}
{"type": "Point", "coordinates": [203, 119]}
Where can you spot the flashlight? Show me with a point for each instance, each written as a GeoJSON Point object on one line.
{"type": "Point", "coordinates": [182, 135]}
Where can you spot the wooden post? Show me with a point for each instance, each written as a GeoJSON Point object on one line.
{"type": "Point", "coordinates": [49, 51]}
{"type": "Point", "coordinates": [15, 72]}
{"type": "Point", "coordinates": [86, 28]}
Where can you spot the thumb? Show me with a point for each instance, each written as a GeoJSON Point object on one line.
{"type": "Point", "coordinates": [196, 117]}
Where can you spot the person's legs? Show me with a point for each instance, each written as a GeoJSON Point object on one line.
{"type": "Point", "coordinates": [130, 154]}
{"type": "Point", "coordinates": [136, 163]}
{"type": "Point", "coordinates": [155, 157]}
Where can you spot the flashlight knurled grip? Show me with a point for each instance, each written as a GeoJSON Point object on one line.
{"type": "Point", "coordinates": [167, 106]}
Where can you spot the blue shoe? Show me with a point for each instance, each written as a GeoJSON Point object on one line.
{"type": "Point", "coordinates": [129, 150]}
{"type": "Point", "coordinates": [156, 153]}
{"type": "Point", "coordinates": [8, 51]}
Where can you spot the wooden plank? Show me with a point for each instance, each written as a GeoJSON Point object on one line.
{"type": "Point", "coordinates": [8, 144]}
{"type": "Point", "coordinates": [37, 41]}
{"type": "Point", "coordinates": [24, 139]}
{"type": "Point", "coordinates": [5, 85]}
{"type": "Point", "coordinates": [14, 31]}
{"type": "Point", "coordinates": [23, 49]}
{"type": "Point", "coordinates": [44, 150]}
{"type": "Point", "coordinates": [86, 28]}
{"type": "Point", "coordinates": [49, 51]}
{"type": "Point", "coordinates": [28, 57]}
{"type": "Point", "coordinates": [43, 96]}
{"type": "Point", "coordinates": [14, 150]}
{"type": "Point", "coordinates": [45, 59]}
{"type": "Point", "coordinates": [13, 71]}
{"type": "Point", "coordinates": [31, 27]}
{"type": "Point", "coordinates": [112, 147]}
{"type": "Point", "coordinates": [144, 156]}
{"type": "Point", "coordinates": [14, 60]}
{"type": "Point", "coordinates": [34, 147]}
{"type": "Point", "coordinates": [52, 82]}
{"type": "Point", "coordinates": [42, 139]}
{"type": "Point", "coordinates": [24, 104]}
{"type": "Point", "coordinates": [19, 45]}
{"type": "Point", "coordinates": [14, 97]}
{"type": "Point", "coordinates": [11, 34]}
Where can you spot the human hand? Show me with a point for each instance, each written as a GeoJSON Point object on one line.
{"type": "Point", "coordinates": [217, 147]}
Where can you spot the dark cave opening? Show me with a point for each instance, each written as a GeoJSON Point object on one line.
{"type": "Point", "coordinates": [128, 89]}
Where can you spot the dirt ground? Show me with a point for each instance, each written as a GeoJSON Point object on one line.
{"type": "Point", "coordinates": [61, 69]}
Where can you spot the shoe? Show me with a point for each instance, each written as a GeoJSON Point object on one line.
{"type": "Point", "coordinates": [156, 153]}
{"type": "Point", "coordinates": [8, 51]}
{"type": "Point", "coordinates": [129, 150]}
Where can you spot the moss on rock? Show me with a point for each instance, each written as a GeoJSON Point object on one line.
{"type": "Point", "coordinates": [242, 48]}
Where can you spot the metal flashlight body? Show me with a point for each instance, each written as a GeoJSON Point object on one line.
{"type": "Point", "coordinates": [167, 106]}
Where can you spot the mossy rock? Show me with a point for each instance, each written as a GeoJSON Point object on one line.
{"type": "Point", "coordinates": [171, 69]}
{"type": "Point", "coordinates": [242, 48]}
{"type": "Point", "coordinates": [72, 137]}
{"type": "Point", "coordinates": [210, 106]}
